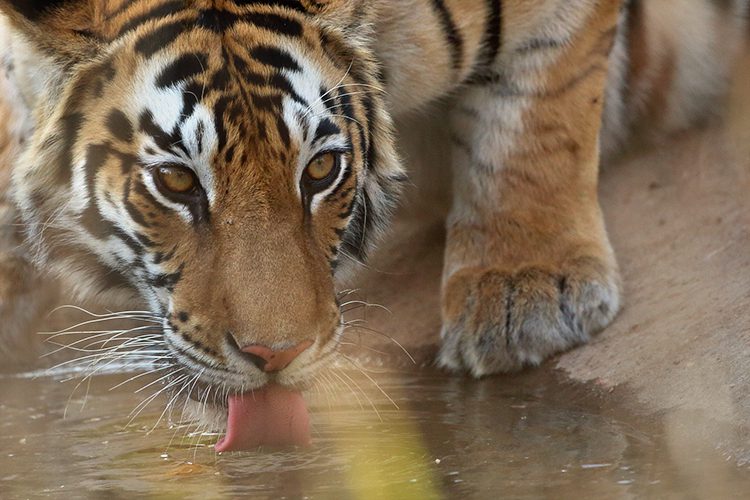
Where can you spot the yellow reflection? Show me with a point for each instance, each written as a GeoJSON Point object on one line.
{"type": "Point", "coordinates": [387, 455]}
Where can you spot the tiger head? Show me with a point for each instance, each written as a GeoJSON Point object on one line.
{"type": "Point", "coordinates": [214, 159]}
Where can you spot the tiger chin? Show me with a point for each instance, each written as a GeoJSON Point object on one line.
{"type": "Point", "coordinates": [222, 162]}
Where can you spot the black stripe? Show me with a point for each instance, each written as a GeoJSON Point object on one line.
{"type": "Point", "coordinates": [279, 82]}
{"type": "Point", "coordinates": [191, 96]}
{"type": "Point", "coordinates": [346, 108]}
{"type": "Point", "coordinates": [91, 218]}
{"type": "Point", "coordinates": [281, 126]}
{"type": "Point", "coordinates": [71, 126]}
{"type": "Point", "coordinates": [119, 126]}
{"type": "Point", "coordinates": [491, 42]}
{"type": "Point", "coordinates": [271, 56]}
{"type": "Point", "coordinates": [119, 10]}
{"type": "Point", "coordinates": [364, 138]}
{"type": "Point", "coordinates": [126, 162]}
{"type": "Point", "coordinates": [493, 35]}
{"type": "Point", "coordinates": [161, 257]}
{"type": "Point", "coordinates": [241, 66]}
{"type": "Point", "coordinates": [34, 9]}
{"type": "Point", "coordinates": [113, 279]}
{"type": "Point", "coordinates": [168, 281]}
{"type": "Point", "coordinates": [96, 156]}
{"type": "Point", "coordinates": [216, 20]}
{"type": "Point", "coordinates": [128, 240]}
{"type": "Point", "coordinates": [220, 79]}
{"type": "Point", "coordinates": [182, 69]}
{"type": "Point", "coordinates": [348, 209]}
{"type": "Point", "coordinates": [164, 140]}
{"type": "Point", "coordinates": [159, 39]}
{"type": "Point", "coordinates": [100, 76]}
{"type": "Point", "coordinates": [359, 228]}
{"type": "Point", "coordinates": [454, 38]}
{"type": "Point", "coordinates": [326, 128]}
{"type": "Point", "coordinates": [130, 208]}
{"type": "Point", "coordinates": [219, 21]}
{"type": "Point", "coordinates": [93, 222]}
{"type": "Point", "coordinates": [159, 12]}
{"type": "Point", "coordinates": [220, 109]}
{"type": "Point", "coordinates": [200, 132]}
{"type": "Point", "coordinates": [145, 240]}
{"type": "Point", "coordinates": [371, 154]}
{"type": "Point", "coordinates": [275, 23]}
{"type": "Point", "coordinates": [294, 5]}
{"type": "Point", "coordinates": [143, 192]}
{"type": "Point", "coordinates": [340, 187]}
{"type": "Point", "coordinates": [269, 103]}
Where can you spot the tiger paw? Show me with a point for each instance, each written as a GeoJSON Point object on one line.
{"type": "Point", "coordinates": [496, 320]}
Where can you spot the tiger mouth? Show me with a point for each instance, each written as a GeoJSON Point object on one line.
{"type": "Point", "coordinates": [271, 415]}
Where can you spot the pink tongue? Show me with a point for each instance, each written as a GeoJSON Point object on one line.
{"type": "Point", "coordinates": [272, 416]}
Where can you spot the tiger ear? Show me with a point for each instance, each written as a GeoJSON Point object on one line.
{"type": "Point", "coordinates": [63, 31]}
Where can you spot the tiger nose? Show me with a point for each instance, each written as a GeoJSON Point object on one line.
{"type": "Point", "coordinates": [271, 360]}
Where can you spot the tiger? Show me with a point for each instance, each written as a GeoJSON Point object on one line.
{"type": "Point", "coordinates": [226, 163]}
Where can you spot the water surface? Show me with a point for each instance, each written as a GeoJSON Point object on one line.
{"type": "Point", "coordinates": [440, 437]}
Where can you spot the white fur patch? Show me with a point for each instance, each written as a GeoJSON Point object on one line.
{"type": "Point", "coordinates": [307, 84]}
{"type": "Point", "coordinates": [198, 133]}
{"type": "Point", "coordinates": [200, 129]}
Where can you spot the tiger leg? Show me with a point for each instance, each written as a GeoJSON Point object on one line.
{"type": "Point", "coordinates": [529, 270]}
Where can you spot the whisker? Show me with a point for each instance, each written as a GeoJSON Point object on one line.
{"type": "Point", "coordinates": [371, 380]}
{"type": "Point", "coordinates": [400, 346]}
{"type": "Point", "coordinates": [366, 304]}
{"type": "Point", "coordinates": [349, 387]}
{"type": "Point", "coordinates": [113, 335]}
{"type": "Point", "coordinates": [191, 384]}
{"type": "Point", "coordinates": [362, 391]}
{"type": "Point", "coordinates": [99, 320]}
{"type": "Point", "coordinates": [152, 383]}
{"type": "Point", "coordinates": [333, 89]}
{"type": "Point", "coordinates": [143, 404]}
{"type": "Point", "coordinates": [354, 344]}
{"type": "Point", "coordinates": [73, 362]}
{"type": "Point", "coordinates": [135, 377]}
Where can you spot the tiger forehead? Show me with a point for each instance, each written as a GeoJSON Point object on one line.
{"type": "Point", "coordinates": [111, 8]}
{"type": "Point", "coordinates": [240, 43]}
{"type": "Point", "coordinates": [282, 16]}
{"type": "Point", "coordinates": [229, 60]}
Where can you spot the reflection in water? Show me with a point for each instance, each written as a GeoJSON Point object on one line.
{"type": "Point", "coordinates": [521, 436]}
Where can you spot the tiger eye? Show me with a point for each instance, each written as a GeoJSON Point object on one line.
{"type": "Point", "coordinates": [178, 180]}
{"type": "Point", "coordinates": [321, 167]}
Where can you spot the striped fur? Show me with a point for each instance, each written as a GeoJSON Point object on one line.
{"type": "Point", "coordinates": [245, 93]}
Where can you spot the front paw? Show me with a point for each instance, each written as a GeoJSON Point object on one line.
{"type": "Point", "coordinates": [497, 320]}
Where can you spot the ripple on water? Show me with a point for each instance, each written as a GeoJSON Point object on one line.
{"type": "Point", "coordinates": [449, 437]}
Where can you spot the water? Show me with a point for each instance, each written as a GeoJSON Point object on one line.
{"type": "Point", "coordinates": [524, 437]}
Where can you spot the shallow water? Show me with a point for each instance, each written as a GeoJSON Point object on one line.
{"type": "Point", "coordinates": [522, 437]}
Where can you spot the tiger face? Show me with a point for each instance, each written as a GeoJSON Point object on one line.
{"type": "Point", "coordinates": [215, 159]}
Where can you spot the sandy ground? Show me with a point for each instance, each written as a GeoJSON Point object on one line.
{"type": "Point", "coordinates": [679, 218]}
